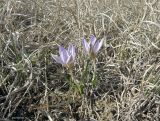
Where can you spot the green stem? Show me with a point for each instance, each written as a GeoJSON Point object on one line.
{"type": "Point", "coordinates": [71, 78]}
{"type": "Point", "coordinates": [94, 81]}
{"type": "Point", "coordinates": [94, 65]}
{"type": "Point", "coordinates": [85, 72]}
{"type": "Point", "coordinates": [73, 82]}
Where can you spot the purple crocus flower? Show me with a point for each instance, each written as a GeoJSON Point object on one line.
{"type": "Point", "coordinates": [67, 56]}
{"type": "Point", "coordinates": [92, 47]}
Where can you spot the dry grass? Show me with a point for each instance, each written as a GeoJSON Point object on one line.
{"type": "Point", "coordinates": [33, 87]}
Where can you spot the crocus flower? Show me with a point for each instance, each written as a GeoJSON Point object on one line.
{"type": "Point", "coordinates": [92, 47]}
{"type": "Point", "coordinates": [67, 56]}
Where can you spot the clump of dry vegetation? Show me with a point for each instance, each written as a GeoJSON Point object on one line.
{"type": "Point", "coordinates": [34, 87]}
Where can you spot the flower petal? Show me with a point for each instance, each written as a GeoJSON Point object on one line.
{"type": "Point", "coordinates": [86, 46]}
{"type": "Point", "coordinates": [57, 59]}
{"type": "Point", "coordinates": [72, 52]}
{"type": "Point", "coordinates": [69, 60]}
{"type": "Point", "coordinates": [93, 40]}
{"type": "Point", "coordinates": [97, 46]}
{"type": "Point", "coordinates": [64, 55]}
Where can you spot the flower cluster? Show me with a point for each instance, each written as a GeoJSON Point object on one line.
{"type": "Point", "coordinates": [67, 56]}
{"type": "Point", "coordinates": [92, 47]}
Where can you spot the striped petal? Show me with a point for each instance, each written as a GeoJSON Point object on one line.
{"type": "Point", "coordinates": [72, 52]}
{"type": "Point", "coordinates": [64, 55]}
{"type": "Point", "coordinates": [97, 46]}
{"type": "Point", "coordinates": [92, 40]}
{"type": "Point", "coordinates": [57, 59]}
{"type": "Point", "coordinates": [86, 46]}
